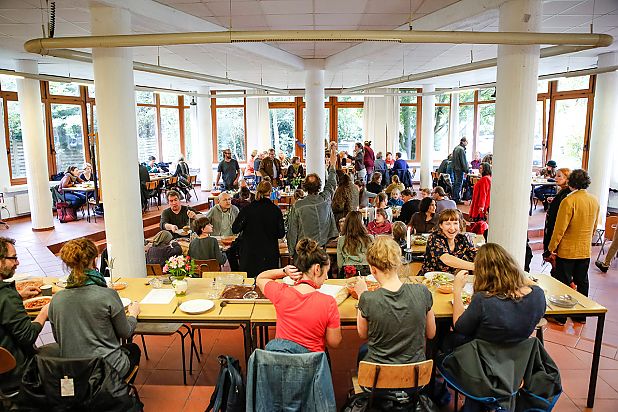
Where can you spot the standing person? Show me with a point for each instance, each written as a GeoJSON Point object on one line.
{"type": "Point", "coordinates": [460, 166]}
{"type": "Point", "coordinates": [400, 164]}
{"type": "Point", "coordinates": [144, 177]}
{"type": "Point", "coordinates": [229, 170]}
{"type": "Point", "coordinates": [223, 215]}
{"type": "Point", "coordinates": [442, 201]}
{"type": "Point", "coordinates": [410, 206]}
{"type": "Point", "coordinates": [70, 178]}
{"type": "Point", "coordinates": [369, 158]}
{"type": "Point", "coordinates": [312, 217]}
{"type": "Point", "coordinates": [562, 180]}
{"type": "Point", "coordinates": [575, 225]}
{"type": "Point", "coordinates": [363, 194]}
{"type": "Point", "coordinates": [261, 224]}
{"type": "Point", "coordinates": [295, 170]}
{"type": "Point", "coordinates": [611, 253]}
{"type": "Point", "coordinates": [359, 161]}
{"type": "Point", "coordinates": [285, 163]}
{"type": "Point", "coordinates": [87, 317]}
{"type": "Point", "coordinates": [249, 169]}
{"type": "Point", "coordinates": [271, 167]}
{"type": "Point", "coordinates": [479, 207]}
{"type": "Point", "coordinates": [182, 173]}
{"type": "Point", "coordinates": [379, 165]}
{"type": "Point", "coordinates": [346, 197]}
{"type": "Point", "coordinates": [176, 216]}
{"type": "Point", "coordinates": [256, 167]}
{"type": "Point", "coordinates": [18, 332]}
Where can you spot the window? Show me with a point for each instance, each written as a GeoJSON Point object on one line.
{"type": "Point", "coordinates": [349, 127]}
{"type": "Point", "coordinates": [170, 135]}
{"type": "Point", "coordinates": [539, 135]}
{"type": "Point", "coordinates": [147, 142]}
{"type": "Point", "coordinates": [569, 132]}
{"type": "Point", "coordinates": [68, 136]}
{"type": "Point", "coordinates": [282, 130]}
{"type": "Point", "coordinates": [8, 83]}
{"type": "Point", "coordinates": [326, 124]}
{"type": "Point", "coordinates": [440, 132]}
{"type": "Point", "coordinates": [144, 97]}
{"type": "Point", "coordinates": [407, 130]}
{"type": "Point", "coordinates": [16, 144]}
{"type": "Point", "coordinates": [168, 99]}
{"type": "Point", "coordinates": [188, 137]}
{"type": "Point", "coordinates": [466, 122]}
{"type": "Point", "coordinates": [230, 123]}
{"type": "Point", "coordinates": [487, 120]}
{"type": "Point", "coordinates": [466, 96]}
{"type": "Point", "coordinates": [64, 89]}
{"type": "Point", "coordinates": [574, 83]}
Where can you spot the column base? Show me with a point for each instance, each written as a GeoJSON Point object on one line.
{"type": "Point", "coordinates": [43, 229]}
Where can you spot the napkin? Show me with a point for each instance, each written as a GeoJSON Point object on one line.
{"type": "Point", "coordinates": [159, 297]}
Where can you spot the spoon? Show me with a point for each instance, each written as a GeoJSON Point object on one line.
{"type": "Point", "coordinates": [222, 305]}
{"type": "Point", "coordinates": [251, 294]}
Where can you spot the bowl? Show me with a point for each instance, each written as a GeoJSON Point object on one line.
{"type": "Point", "coordinates": [351, 282]}
{"type": "Point", "coordinates": [228, 240]}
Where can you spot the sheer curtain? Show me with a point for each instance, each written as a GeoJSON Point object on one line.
{"type": "Point", "coordinates": [258, 128]}
{"type": "Point", "coordinates": [381, 121]}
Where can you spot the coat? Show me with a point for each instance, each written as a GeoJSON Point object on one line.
{"type": "Point", "coordinates": [459, 162]}
{"type": "Point", "coordinates": [480, 198]}
{"type": "Point", "coordinates": [267, 167]}
{"type": "Point", "coordinates": [261, 224]}
{"type": "Point", "coordinates": [575, 225]}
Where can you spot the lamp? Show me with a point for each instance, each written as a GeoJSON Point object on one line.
{"type": "Point", "coordinates": [193, 102]}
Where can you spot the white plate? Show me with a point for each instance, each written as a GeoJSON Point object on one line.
{"type": "Point", "coordinates": [196, 306]}
{"type": "Point", "coordinates": [431, 275]}
{"type": "Point", "coordinates": [125, 302]}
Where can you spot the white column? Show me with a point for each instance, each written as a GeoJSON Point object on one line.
{"type": "Point", "coordinates": [604, 132]}
{"type": "Point", "coordinates": [453, 129]}
{"type": "Point", "coordinates": [427, 137]}
{"type": "Point", "coordinates": [204, 133]}
{"type": "Point", "coordinates": [113, 77]}
{"type": "Point", "coordinates": [314, 98]}
{"type": "Point", "coordinates": [516, 89]}
{"type": "Point", "coordinates": [35, 148]}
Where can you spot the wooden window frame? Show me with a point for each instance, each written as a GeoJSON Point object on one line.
{"type": "Point", "coordinates": [213, 113]}
{"type": "Point", "coordinates": [419, 123]}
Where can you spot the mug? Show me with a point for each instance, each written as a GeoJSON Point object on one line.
{"type": "Point", "coordinates": [46, 290]}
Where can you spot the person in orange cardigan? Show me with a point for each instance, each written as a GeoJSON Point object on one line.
{"type": "Point", "coordinates": [575, 225]}
{"type": "Point", "coordinates": [479, 208]}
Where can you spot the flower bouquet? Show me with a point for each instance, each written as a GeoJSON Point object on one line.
{"type": "Point", "coordinates": [295, 182]}
{"type": "Point", "coordinates": [180, 267]}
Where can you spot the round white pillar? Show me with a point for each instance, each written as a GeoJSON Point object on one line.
{"type": "Point", "coordinates": [516, 89]}
{"type": "Point", "coordinates": [314, 98]}
{"type": "Point", "coordinates": [604, 132]}
{"type": "Point", "coordinates": [117, 133]}
{"type": "Point", "coordinates": [35, 148]}
{"type": "Point", "coordinates": [453, 127]}
{"type": "Point", "coordinates": [427, 136]}
{"type": "Point", "coordinates": [204, 136]}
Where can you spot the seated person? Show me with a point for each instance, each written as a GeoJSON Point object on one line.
{"type": "Point", "coordinates": [395, 199]}
{"type": "Point", "coordinates": [375, 186]}
{"type": "Point", "coordinates": [295, 170]}
{"type": "Point", "coordinates": [222, 216]}
{"type": "Point", "coordinates": [448, 250]}
{"type": "Point", "coordinates": [299, 194]}
{"type": "Point", "coordinates": [363, 194]}
{"type": "Point", "coordinates": [294, 303]}
{"type": "Point", "coordinates": [353, 243]}
{"type": "Point", "coordinates": [177, 216]}
{"type": "Point", "coordinates": [409, 207]}
{"type": "Point", "coordinates": [400, 234]}
{"type": "Point", "coordinates": [204, 247]}
{"type": "Point", "coordinates": [162, 249]}
{"type": "Point", "coordinates": [500, 288]}
{"type": "Point", "coordinates": [87, 174]}
{"type": "Point", "coordinates": [381, 225]}
{"type": "Point", "coordinates": [183, 174]}
{"type": "Point", "coordinates": [381, 202]}
{"type": "Point", "coordinates": [426, 218]}
{"type": "Point", "coordinates": [395, 184]}
{"type": "Point", "coordinates": [71, 177]}
{"type": "Point", "coordinates": [425, 192]}
{"type": "Point", "coordinates": [382, 312]}
{"type": "Point", "coordinates": [18, 332]}
{"type": "Point", "coordinates": [442, 200]}
{"type": "Point", "coordinates": [242, 183]}
{"type": "Point", "coordinates": [543, 192]}
{"type": "Point", "coordinates": [88, 318]}
{"type": "Point", "coordinates": [243, 198]}
{"type": "Point", "coordinates": [152, 165]}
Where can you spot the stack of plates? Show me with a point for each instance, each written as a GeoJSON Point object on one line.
{"type": "Point", "coordinates": [563, 301]}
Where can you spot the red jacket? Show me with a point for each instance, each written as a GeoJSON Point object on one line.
{"type": "Point", "coordinates": [480, 198]}
{"type": "Point", "coordinates": [374, 229]}
{"type": "Point", "coordinates": [369, 157]}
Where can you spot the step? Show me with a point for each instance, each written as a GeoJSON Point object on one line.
{"type": "Point", "coordinates": [536, 244]}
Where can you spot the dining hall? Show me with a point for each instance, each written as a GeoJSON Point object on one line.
{"type": "Point", "coordinates": [269, 205]}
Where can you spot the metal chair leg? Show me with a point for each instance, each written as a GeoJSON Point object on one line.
{"type": "Point", "coordinates": [199, 334]}
{"type": "Point", "coordinates": [144, 346]}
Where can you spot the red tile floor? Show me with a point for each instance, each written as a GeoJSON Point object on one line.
{"type": "Point", "coordinates": [160, 379]}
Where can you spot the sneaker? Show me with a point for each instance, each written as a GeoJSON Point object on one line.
{"type": "Point", "coordinates": [560, 321]}
{"type": "Point", "coordinates": [579, 319]}
{"type": "Point", "coordinates": [601, 266]}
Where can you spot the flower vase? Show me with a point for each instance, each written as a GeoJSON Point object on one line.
{"type": "Point", "coordinates": [180, 286]}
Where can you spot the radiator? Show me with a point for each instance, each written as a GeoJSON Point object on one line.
{"type": "Point", "coordinates": [22, 205]}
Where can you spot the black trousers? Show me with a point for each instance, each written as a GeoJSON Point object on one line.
{"type": "Point", "coordinates": [134, 353]}
{"type": "Point", "coordinates": [573, 270]}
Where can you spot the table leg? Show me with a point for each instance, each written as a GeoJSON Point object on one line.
{"type": "Point", "coordinates": [246, 332]}
{"type": "Point", "coordinates": [254, 343]}
{"type": "Point", "coordinates": [596, 356]}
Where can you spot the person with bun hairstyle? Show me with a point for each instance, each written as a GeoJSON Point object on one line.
{"type": "Point", "coordinates": [382, 312]}
{"type": "Point", "coordinates": [261, 224]}
{"type": "Point", "coordinates": [88, 318]}
{"type": "Point", "coordinates": [305, 316]}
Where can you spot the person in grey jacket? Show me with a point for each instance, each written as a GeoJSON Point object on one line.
{"type": "Point", "coordinates": [459, 164]}
{"type": "Point", "coordinates": [313, 217]}
{"type": "Point", "coordinates": [223, 215]}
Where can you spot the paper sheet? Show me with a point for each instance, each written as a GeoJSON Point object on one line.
{"type": "Point", "coordinates": [159, 297]}
{"type": "Point", "coordinates": [330, 290]}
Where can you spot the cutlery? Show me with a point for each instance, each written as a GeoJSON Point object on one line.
{"type": "Point", "coordinates": [176, 308]}
{"type": "Point", "coordinates": [251, 294]}
{"type": "Point", "coordinates": [222, 305]}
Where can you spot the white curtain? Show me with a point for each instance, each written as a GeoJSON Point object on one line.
{"type": "Point", "coordinates": [258, 128]}
{"type": "Point", "coordinates": [381, 121]}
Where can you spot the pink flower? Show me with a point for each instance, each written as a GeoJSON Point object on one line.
{"type": "Point", "coordinates": [188, 267]}
{"type": "Point", "coordinates": [165, 268]}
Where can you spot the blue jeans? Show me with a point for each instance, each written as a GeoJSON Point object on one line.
{"type": "Point", "coordinates": [459, 176]}
{"type": "Point", "coordinates": [75, 199]}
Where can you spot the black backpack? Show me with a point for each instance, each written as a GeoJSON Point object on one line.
{"type": "Point", "coordinates": [229, 394]}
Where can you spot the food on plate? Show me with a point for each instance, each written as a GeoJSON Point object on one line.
{"type": "Point", "coordinates": [36, 303]}
{"type": "Point", "coordinates": [118, 285]}
{"type": "Point", "coordinates": [352, 282]}
{"type": "Point", "coordinates": [466, 299]}
{"type": "Point", "coordinates": [420, 241]}
{"type": "Point", "coordinates": [186, 228]}
{"type": "Point", "coordinates": [238, 291]}
{"type": "Point", "coordinates": [23, 284]}
{"type": "Point", "coordinates": [448, 288]}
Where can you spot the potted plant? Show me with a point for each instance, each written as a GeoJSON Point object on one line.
{"type": "Point", "coordinates": [180, 267]}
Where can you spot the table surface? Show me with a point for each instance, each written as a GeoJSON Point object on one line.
{"type": "Point", "coordinates": [79, 188]}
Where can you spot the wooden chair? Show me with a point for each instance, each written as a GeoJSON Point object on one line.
{"type": "Point", "coordinates": [7, 363]}
{"type": "Point", "coordinates": [396, 376]}
{"type": "Point", "coordinates": [153, 192]}
{"type": "Point", "coordinates": [434, 178]}
{"type": "Point", "coordinates": [154, 270]}
{"type": "Point", "coordinates": [193, 182]}
{"type": "Point", "coordinates": [208, 265]}
{"type": "Point", "coordinates": [171, 183]}
{"type": "Point", "coordinates": [611, 223]}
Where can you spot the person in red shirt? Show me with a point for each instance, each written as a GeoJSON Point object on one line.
{"type": "Point", "coordinates": [479, 208]}
{"type": "Point", "coordinates": [381, 225]}
{"type": "Point", "coordinates": [304, 315]}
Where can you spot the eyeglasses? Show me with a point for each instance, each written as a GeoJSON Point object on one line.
{"type": "Point", "coordinates": [11, 257]}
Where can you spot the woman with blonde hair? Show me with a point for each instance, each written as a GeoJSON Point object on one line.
{"type": "Point", "coordinates": [353, 243]}
{"type": "Point", "coordinates": [88, 318]}
{"type": "Point", "coordinates": [395, 184]}
{"type": "Point", "coordinates": [382, 312]}
{"type": "Point", "coordinates": [500, 288]}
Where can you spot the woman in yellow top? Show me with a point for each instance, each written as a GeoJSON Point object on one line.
{"type": "Point", "coordinates": [395, 184]}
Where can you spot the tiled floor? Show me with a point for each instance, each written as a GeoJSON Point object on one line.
{"type": "Point", "coordinates": [160, 378]}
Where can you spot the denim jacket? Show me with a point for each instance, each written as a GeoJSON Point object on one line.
{"type": "Point", "coordinates": [288, 377]}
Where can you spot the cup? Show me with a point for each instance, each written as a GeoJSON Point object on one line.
{"type": "Point", "coordinates": [156, 283]}
{"type": "Point", "coordinates": [46, 290]}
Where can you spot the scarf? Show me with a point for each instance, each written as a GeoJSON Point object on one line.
{"type": "Point", "coordinates": [93, 277]}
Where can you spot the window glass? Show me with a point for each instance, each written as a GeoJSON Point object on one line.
{"type": "Point", "coordinates": [8, 83]}
{"type": "Point", "coordinates": [408, 99]}
{"type": "Point", "coordinates": [282, 130]}
{"type": "Point", "coordinates": [349, 128]}
{"type": "Point", "coordinates": [68, 136]}
{"type": "Point", "coordinates": [443, 98]}
{"type": "Point", "coordinates": [326, 124]}
{"type": "Point", "coordinates": [542, 86]}
{"type": "Point", "coordinates": [466, 122]}
{"type": "Point", "coordinates": [144, 97]}
{"type": "Point", "coordinates": [16, 143]}
{"type": "Point", "coordinates": [188, 137]}
{"type": "Point", "coordinates": [231, 132]}
{"type": "Point", "coordinates": [170, 135]}
{"type": "Point", "coordinates": [94, 110]}
{"type": "Point", "coordinates": [537, 157]}
{"type": "Point", "coordinates": [281, 98]}
{"type": "Point", "coordinates": [466, 96]}
{"type": "Point", "coordinates": [231, 100]}
{"type": "Point", "coordinates": [168, 99]}
{"type": "Point", "coordinates": [487, 119]}
{"type": "Point", "coordinates": [350, 99]}
{"type": "Point", "coordinates": [487, 94]}
{"type": "Point", "coordinates": [569, 131]}
{"type": "Point", "coordinates": [91, 91]}
{"type": "Point", "coordinates": [407, 131]}
{"type": "Point", "coordinates": [147, 133]}
{"type": "Point", "coordinates": [574, 83]}
{"type": "Point", "coordinates": [440, 131]}
{"type": "Point", "coordinates": [63, 89]}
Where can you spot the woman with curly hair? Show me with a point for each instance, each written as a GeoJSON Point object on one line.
{"type": "Point", "coordinates": [88, 318]}
{"type": "Point", "coordinates": [353, 243]}
{"type": "Point", "coordinates": [346, 197]}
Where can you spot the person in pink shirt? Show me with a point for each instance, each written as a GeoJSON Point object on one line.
{"type": "Point", "coordinates": [381, 225]}
{"type": "Point", "coordinates": [304, 315]}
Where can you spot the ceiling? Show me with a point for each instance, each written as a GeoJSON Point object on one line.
{"type": "Point", "coordinates": [281, 64]}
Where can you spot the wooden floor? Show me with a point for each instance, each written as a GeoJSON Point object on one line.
{"type": "Point", "coordinates": [160, 378]}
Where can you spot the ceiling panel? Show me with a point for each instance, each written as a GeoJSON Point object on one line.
{"type": "Point", "coordinates": [340, 6]}
{"type": "Point", "coordinates": [286, 6]}
{"type": "Point", "coordinates": [338, 19]}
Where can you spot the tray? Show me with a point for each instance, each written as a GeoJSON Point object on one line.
{"type": "Point", "coordinates": [243, 290]}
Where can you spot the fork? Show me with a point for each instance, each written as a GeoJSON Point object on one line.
{"type": "Point", "coordinates": [176, 308]}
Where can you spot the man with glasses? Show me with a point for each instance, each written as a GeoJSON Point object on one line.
{"type": "Point", "coordinates": [17, 332]}
{"type": "Point", "coordinates": [229, 169]}
{"type": "Point", "coordinates": [271, 167]}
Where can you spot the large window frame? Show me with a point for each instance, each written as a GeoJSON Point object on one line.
{"type": "Point", "coordinates": [213, 110]}
{"type": "Point", "coordinates": [419, 121]}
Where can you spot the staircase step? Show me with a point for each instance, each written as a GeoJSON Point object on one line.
{"type": "Point", "coordinates": [536, 244]}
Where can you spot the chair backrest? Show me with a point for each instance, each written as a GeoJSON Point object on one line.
{"type": "Point", "coordinates": [610, 227]}
{"type": "Point", "coordinates": [193, 179]}
{"type": "Point", "coordinates": [151, 185]}
{"type": "Point", "coordinates": [7, 360]}
{"type": "Point", "coordinates": [154, 270]}
{"type": "Point", "coordinates": [172, 180]}
{"type": "Point", "coordinates": [435, 175]}
{"type": "Point", "coordinates": [208, 265]}
{"type": "Point", "coordinates": [215, 274]}
{"type": "Point", "coordinates": [396, 376]}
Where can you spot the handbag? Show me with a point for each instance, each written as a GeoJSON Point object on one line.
{"type": "Point", "coordinates": [65, 212]}
{"type": "Point", "coordinates": [389, 401]}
